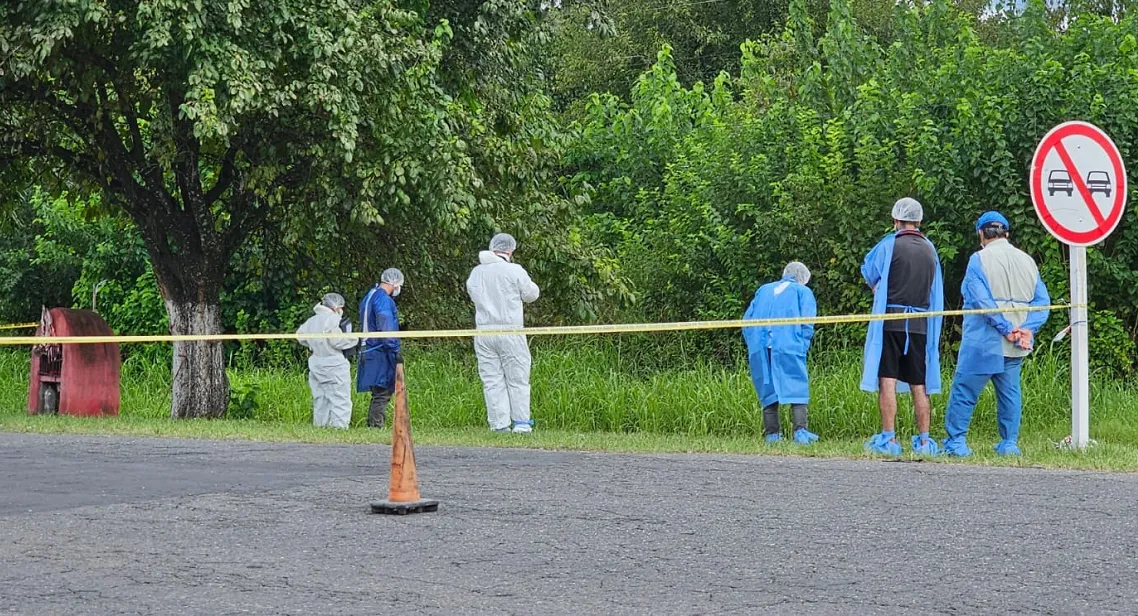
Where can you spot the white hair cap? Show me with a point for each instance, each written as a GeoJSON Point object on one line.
{"type": "Point", "coordinates": [908, 209]}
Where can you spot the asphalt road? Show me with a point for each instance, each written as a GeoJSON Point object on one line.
{"type": "Point", "coordinates": [98, 525]}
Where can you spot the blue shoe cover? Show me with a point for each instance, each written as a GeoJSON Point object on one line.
{"type": "Point", "coordinates": [802, 436]}
{"type": "Point", "coordinates": [956, 448]}
{"type": "Point", "coordinates": [880, 444]}
{"type": "Point", "coordinates": [774, 438]}
{"type": "Point", "coordinates": [928, 448]}
{"type": "Point", "coordinates": [1008, 448]}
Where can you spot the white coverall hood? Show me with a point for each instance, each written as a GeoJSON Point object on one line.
{"type": "Point", "coordinates": [499, 289]}
{"type": "Point", "coordinates": [329, 373]}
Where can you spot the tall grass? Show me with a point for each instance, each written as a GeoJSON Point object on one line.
{"type": "Point", "coordinates": [601, 385]}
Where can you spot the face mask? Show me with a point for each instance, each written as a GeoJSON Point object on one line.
{"type": "Point", "coordinates": [395, 291]}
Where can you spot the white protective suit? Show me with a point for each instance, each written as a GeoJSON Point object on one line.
{"type": "Point", "coordinates": [329, 373]}
{"type": "Point", "coordinates": [498, 289]}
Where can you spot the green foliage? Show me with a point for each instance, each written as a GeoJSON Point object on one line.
{"type": "Point", "coordinates": [596, 387]}
{"type": "Point", "coordinates": [708, 193]}
{"type": "Point", "coordinates": [318, 123]}
{"type": "Point", "coordinates": [344, 135]}
{"type": "Point", "coordinates": [1112, 348]}
{"type": "Point", "coordinates": [270, 152]}
{"type": "Point", "coordinates": [601, 46]}
{"type": "Point", "coordinates": [27, 281]}
{"type": "Point", "coordinates": [77, 255]}
{"type": "Point", "coordinates": [244, 402]}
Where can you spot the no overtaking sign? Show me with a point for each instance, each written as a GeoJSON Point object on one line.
{"type": "Point", "coordinates": [1078, 184]}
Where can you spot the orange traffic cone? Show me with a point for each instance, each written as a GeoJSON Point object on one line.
{"type": "Point", "coordinates": [403, 496]}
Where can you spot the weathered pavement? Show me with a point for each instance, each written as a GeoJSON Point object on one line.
{"type": "Point", "coordinates": [135, 526]}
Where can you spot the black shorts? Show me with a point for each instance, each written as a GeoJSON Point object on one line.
{"type": "Point", "coordinates": [897, 364]}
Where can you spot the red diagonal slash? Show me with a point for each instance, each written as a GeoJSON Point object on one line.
{"type": "Point", "coordinates": [1061, 150]}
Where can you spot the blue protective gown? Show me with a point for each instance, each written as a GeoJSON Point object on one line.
{"type": "Point", "coordinates": [875, 271]}
{"type": "Point", "coordinates": [379, 355]}
{"type": "Point", "coordinates": [780, 375]}
{"type": "Point", "coordinates": [981, 344]}
{"type": "Point", "coordinates": [983, 357]}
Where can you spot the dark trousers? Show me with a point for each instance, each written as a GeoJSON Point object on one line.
{"type": "Point", "coordinates": [377, 410]}
{"type": "Point", "coordinates": [770, 418]}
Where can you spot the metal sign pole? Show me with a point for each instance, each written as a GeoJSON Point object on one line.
{"type": "Point", "coordinates": [1080, 350]}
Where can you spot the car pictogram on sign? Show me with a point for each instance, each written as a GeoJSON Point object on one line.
{"type": "Point", "coordinates": [1078, 183]}
{"type": "Point", "coordinates": [1060, 181]}
{"type": "Point", "coordinates": [1099, 181]}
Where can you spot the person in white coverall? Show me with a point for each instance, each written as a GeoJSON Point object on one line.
{"type": "Point", "coordinates": [329, 373]}
{"type": "Point", "coordinates": [498, 287]}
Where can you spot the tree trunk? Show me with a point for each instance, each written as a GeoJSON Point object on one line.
{"type": "Point", "coordinates": [201, 387]}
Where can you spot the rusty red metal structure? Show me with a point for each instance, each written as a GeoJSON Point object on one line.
{"type": "Point", "coordinates": [74, 379]}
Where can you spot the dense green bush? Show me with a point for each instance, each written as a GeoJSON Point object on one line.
{"type": "Point", "coordinates": [59, 255]}
{"type": "Point", "coordinates": [28, 280]}
{"type": "Point", "coordinates": [709, 191]}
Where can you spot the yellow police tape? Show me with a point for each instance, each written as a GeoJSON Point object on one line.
{"type": "Point", "coordinates": [569, 330]}
{"type": "Point", "coordinates": [19, 326]}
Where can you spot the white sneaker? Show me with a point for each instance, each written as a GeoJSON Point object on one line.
{"type": "Point", "coordinates": [524, 427]}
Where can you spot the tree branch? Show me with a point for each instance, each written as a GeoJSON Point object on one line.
{"type": "Point", "coordinates": [224, 177]}
{"type": "Point", "coordinates": [248, 212]}
{"type": "Point", "coordinates": [150, 202]}
{"type": "Point", "coordinates": [187, 174]}
{"type": "Point", "coordinates": [21, 148]}
{"type": "Point", "coordinates": [130, 114]}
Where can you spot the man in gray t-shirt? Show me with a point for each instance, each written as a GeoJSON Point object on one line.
{"type": "Point", "coordinates": [911, 273]}
{"type": "Point", "coordinates": [903, 349]}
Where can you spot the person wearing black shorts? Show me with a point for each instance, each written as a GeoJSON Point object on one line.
{"type": "Point", "coordinates": [911, 276]}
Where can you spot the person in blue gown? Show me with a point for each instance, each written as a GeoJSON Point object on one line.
{"type": "Point", "coordinates": [993, 346]}
{"type": "Point", "coordinates": [379, 356]}
{"type": "Point", "coordinates": [778, 353]}
{"type": "Point", "coordinates": [903, 354]}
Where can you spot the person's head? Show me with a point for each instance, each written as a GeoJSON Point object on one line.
{"type": "Point", "coordinates": [333, 302]}
{"type": "Point", "coordinates": [503, 244]}
{"type": "Point", "coordinates": [391, 281]}
{"type": "Point", "coordinates": [992, 226]}
{"type": "Point", "coordinates": [907, 213]}
{"type": "Point", "coordinates": [798, 271]}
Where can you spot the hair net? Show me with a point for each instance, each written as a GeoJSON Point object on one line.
{"type": "Point", "coordinates": [908, 209]}
{"type": "Point", "coordinates": [333, 301]}
{"type": "Point", "coordinates": [798, 270]}
{"type": "Point", "coordinates": [392, 277]}
{"type": "Point", "coordinates": [992, 218]}
{"type": "Point", "coordinates": [503, 242]}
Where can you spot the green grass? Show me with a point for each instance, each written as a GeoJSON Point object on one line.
{"type": "Point", "coordinates": [595, 395]}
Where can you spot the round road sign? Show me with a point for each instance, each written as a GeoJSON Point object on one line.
{"type": "Point", "coordinates": [1078, 183]}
